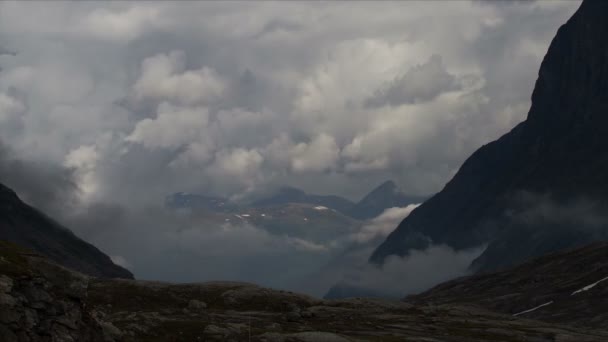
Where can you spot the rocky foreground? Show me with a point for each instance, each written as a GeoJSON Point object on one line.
{"type": "Point", "coordinates": [41, 301]}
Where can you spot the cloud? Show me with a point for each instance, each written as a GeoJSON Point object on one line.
{"type": "Point", "coordinates": [6, 52]}
{"type": "Point", "coordinates": [306, 82]}
{"type": "Point", "coordinates": [379, 227]}
{"type": "Point", "coordinates": [120, 25]}
{"type": "Point", "coordinates": [164, 78]}
{"type": "Point", "coordinates": [419, 271]}
{"type": "Point", "coordinates": [319, 155]}
{"type": "Point", "coordinates": [172, 128]}
{"type": "Point", "coordinates": [421, 83]}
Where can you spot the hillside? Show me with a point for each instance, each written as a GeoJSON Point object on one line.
{"type": "Point", "coordinates": [44, 301]}
{"type": "Point", "coordinates": [26, 226]}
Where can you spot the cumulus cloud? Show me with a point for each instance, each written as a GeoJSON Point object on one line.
{"type": "Point", "coordinates": [319, 155]}
{"type": "Point", "coordinates": [164, 78]}
{"type": "Point", "coordinates": [419, 84]}
{"type": "Point", "coordinates": [365, 96]}
{"type": "Point", "coordinates": [172, 128]}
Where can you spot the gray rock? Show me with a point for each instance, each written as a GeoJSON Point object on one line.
{"type": "Point", "coordinates": [196, 305]}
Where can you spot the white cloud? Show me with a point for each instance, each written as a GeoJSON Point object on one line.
{"type": "Point", "coordinates": [239, 164]}
{"type": "Point", "coordinates": [384, 224]}
{"type": "Point", "coordinates": [321, 154]}
{"type": "Point", "coordinates": [84, 160]}
{"type": "Point", "coordinates": [172, 128]}
{"type": "Point", "coordinates": [120, 25]}
{"type": "Point", "coordinates": [164, 77]}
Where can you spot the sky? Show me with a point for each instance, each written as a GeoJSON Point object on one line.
{"type": "Point", "coordinates": [107, 107]}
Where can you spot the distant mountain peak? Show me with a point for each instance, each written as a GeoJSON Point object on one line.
{"type": "Point", "coordinates": [389, 185]}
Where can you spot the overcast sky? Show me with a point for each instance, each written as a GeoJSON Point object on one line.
{"type": "Point", "coordinates": [144, 99]}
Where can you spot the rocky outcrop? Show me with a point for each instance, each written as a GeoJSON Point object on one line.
{"type": "Point", "coordinates": [559, 156]}
{"type": "Point", "coordinates": [26, 226]}
{"type": "Point", "coordinates": [42, 301]}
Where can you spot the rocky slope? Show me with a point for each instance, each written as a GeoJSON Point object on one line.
{"type": "Point", "coordinates": [509, 192]}
{"type": "Point", "coordinates": [45, 302]}
{"type": "Point", "coordinates": [573, 284]}
{"type": "Point", "coordinates": [28, 227]}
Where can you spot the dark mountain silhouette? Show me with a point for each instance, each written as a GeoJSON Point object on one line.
{"type": "Point", "coordinates": [26, 226]}
{"type": "Point", "coordinates": [557, 159]}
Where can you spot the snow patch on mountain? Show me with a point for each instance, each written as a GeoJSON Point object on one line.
{"type": "Point", "coordinates": [533, 309]}
{"type": "Point", "coordinates": [588, 287]}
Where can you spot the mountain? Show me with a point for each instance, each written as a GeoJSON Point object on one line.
{"type": "Point", "coordinates": [543, 185]}
{"type": "Point", "coordinates": [386, 195]}
{"type": "Point", "coordinates": [566, 287]}
{"type": "Point", "coordinates": [42, 301]}
{"type": "Point", "coordinates": [26, 226]}
{"type": "Point", "coordinates": [287, 195]}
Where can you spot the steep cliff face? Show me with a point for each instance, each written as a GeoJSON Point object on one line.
{"type": "Point", "coordinates": [26, 226]}
{"type": "Point", "coordinates": [558, 155]}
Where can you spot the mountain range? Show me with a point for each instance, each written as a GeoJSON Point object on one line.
{"type": "Point", "coordinates": [386, 195]}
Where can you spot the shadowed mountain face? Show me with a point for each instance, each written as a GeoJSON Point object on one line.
{"type": "Point", "coordinates": [509, 192]}
{"type": "Point", "coordinates": [573, 284]}
{"type": "Point", "coordinates": [26, 226]}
